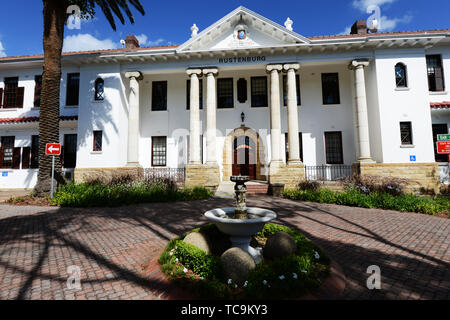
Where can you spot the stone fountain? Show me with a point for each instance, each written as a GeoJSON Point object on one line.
{"type": "Point", "coordinates": [241, 223]}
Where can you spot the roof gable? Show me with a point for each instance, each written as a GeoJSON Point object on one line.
{"type": "Point", "coordinates": [257, 31]}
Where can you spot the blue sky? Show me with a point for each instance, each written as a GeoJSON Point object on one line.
{"type": "Point", "coordinates": [169, 22]}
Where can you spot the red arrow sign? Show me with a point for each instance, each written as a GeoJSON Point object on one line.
{"type": "Point", "coordinates": [443, 147]}
{"type": "Point", "coordinates": [53, 149]}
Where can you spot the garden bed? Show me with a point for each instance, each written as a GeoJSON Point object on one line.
{"type": "Point", "coordinates": [438, 206]}
{"type": "Point", "coordinates": [202, 274]}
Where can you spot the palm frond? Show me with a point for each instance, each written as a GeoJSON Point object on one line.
{"type": "Point", "coordinates": [114, 6]}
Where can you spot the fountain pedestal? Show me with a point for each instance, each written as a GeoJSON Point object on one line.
{"type": "Point", "coordinates": [241, 223]}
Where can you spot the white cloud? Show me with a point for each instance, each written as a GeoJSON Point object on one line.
{"type": "Point", "coordinates": [2, 51]}
{"type": "Point", "coordinates": [87, 42]}
{"type": "Point", "coordinates": [364, 4]}
{"type": "Point", "coordinates": [388, 24]}
{"type": "Point", "coordinates": [143, 41]}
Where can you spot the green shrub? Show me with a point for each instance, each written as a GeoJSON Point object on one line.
{"type": "Point", "coordinates": [124, 192]}
{"type": "Point", "coordinates": [382, 200]}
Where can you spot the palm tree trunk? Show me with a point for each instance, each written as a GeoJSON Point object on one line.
{"type": "Point", "coordinates": [54, 21]}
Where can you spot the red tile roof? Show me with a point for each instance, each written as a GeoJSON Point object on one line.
{"type": "Point", "coordinates": [380, 34]}
{"type": "Point", "coordinates": [40, 56]}
{"type": "Point", "coordinates": [33, 119]}
{"type": "Point", "coordinates": [440, 105]}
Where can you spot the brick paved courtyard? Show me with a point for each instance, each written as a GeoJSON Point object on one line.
{"type": "Point", "coordinates": [112, 246]}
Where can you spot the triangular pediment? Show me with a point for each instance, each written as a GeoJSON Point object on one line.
{"type": "Point", "coordinates": [242, 28]}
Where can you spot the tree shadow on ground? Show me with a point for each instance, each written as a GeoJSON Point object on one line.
{"type": "Point", "coordinates": [30, 245]}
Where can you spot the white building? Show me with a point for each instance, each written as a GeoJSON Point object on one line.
{"type": "Point", "coordinates": [226, 101]}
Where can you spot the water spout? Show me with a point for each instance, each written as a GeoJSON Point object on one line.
{"type": "Point", "coordinates": [240, 190]}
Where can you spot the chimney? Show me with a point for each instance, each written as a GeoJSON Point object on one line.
{"type": "Point", "coordinates": [359, 27]}
{"type": "Point", "coordinates": [132, 42]}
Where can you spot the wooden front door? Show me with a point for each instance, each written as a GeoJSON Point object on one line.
{"type": "Point", "coordinates": [244, 157]}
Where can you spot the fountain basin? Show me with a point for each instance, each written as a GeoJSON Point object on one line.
{"type": "Point", "coordinates": [241, 231]}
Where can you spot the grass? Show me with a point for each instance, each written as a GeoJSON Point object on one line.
{"type": "Point", "coordinates": [204, 277]}
{"type": "Point", "coordinates": [381, 200]}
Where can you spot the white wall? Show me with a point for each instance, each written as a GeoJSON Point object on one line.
{"type": "Point", "coordinates": [396, 106]}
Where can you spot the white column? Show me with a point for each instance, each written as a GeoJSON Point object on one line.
{"type": "Point", "coordinates": [211, 155]}
{"type": "Point", "coordinates": [275, 118]}
{"type": "Point", "coordinates": [292, 110]}
{"type": "Point", "coordinates": [362, 122]}
{"type": "Point", "coordinates": [133, 119]}
{"type": "Point", "coordinates": [194, 136]}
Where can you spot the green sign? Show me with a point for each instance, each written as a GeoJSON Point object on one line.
{"type": "Point", "coordinates": [443, 137]}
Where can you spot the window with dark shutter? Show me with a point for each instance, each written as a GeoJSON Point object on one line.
{"type": "Point", "coordinates": [1, 97]}
{"type": "Point", "coordinates": [70, 150]}
{"type": "Point", "coordinates": [259, 92]}
{"type": "Point", "coordinates": [406, 133]}
{"type": "Point", "coordinates": [159, 151]}
{"type": "Point", "coordinates": [225, 94]}
{"type": "Point", "coordinates": [297, 86]}
{"type": "Point", "coordinates": [98, 137]}
{"type": "Point", "coordinates": [37, 91]}
{"type": "Point", "coordinates": [35, 152]}
{"type": "Point", "coordinates": [333, 148]}
{"type": "Point", "coordinates": [73, 89]}
{"type": "Point", "coordinates": [188, 93]}
{"type": "Point", "coordinates": [435, 73]}
{"type": "Point", "coordinates": [16, 158]}
{"type": "Point", "coordinates": [159, 95]}
{"type": "Point", "coordinates": [330, 88]}
{"type": "Point", "coordinates": [7, 148]}
{"type": "Point", "coordinates": [26, 157]}
{"type": "Point", "coordinates": [13, 94]}
{"type": "Point", "coordinates": [400, 76]}
{"type": "Point", "coordinates": [99, 88]}
{"type": "Point", "coordinates": [439, 129]}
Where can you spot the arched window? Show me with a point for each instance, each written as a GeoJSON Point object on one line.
{"type": "Point", "coordinates": [99, 89]}
{"type": "Point", "coordinates": [400, 76]}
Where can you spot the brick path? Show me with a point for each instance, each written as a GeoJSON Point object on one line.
{"type": "Point", "coordinates": [112, 246]}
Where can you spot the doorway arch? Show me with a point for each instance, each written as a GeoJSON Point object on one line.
{"type": "Point", "coordinates": [244, 153]}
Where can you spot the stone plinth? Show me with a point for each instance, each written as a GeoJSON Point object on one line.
{"type": "Point", "coordinates": [106, 174]}
{"type": "Point", "coordinates": [420, 175]}
{"type": "Point", "coordinates": [202, 175]}
{"type": "Point", "coordinates": [290, 175]}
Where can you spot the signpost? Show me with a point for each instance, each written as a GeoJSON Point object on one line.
{"type": "Point", "coordinates": [53, 149]}
{"type": "Point", "coordinates": [443, 145]}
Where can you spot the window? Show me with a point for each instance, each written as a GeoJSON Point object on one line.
{"type": "Point", "coordinates": [297, 86]}
{"type": "Point", "coordinates": [439, 129]}
{"type": "Point", "coordinates": [435, 73]}
{"type": "Point", "coordinates": [330, 88]}
{"type": "Point", "coordinates": [98, 137]}
{"type": "Point", "coordinates": [73, 89]}
{"type": "Point", "coordinates": [13, 94]}
{"type": "Point", "coordinates": [259, 91]}
{"type": "Point", "coordinates": [37, 91]}
{"type": "Point", "coordinates": [70, 151]}
{"type": "Point", "coordinates": [400, 76]}
{"type": "Point", "coordinates": [159, 95]}
{"type": "Point", "coordinates": [300, 145]}
{"type": "Point", "coordinates": [406, 133]}
{"type": "Point", "coordinates": [333, 148]}
{"type": "Point", "coordinates": [99, 90]}
{"type": "Point", "coordinates": [7, 151]}
{"type": "Point", "coordinates": [35, 152]}
{"type": "Point", "coordinates": [188, 93]}
{"type": "Point", "coordinates": [225, 93]}
{"type": "Point", "coordinates": [159, 151]}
